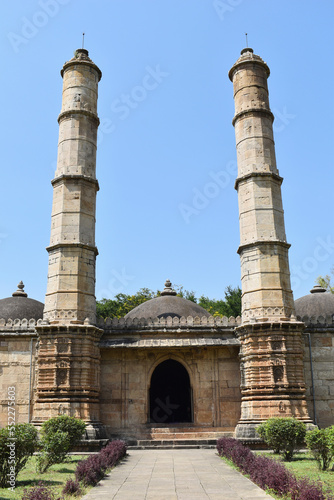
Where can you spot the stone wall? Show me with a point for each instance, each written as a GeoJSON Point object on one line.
{"type": "Point", "coordinates": [17, 369]}
{"type": "Point", "coordinates": [321, 333]}
{"type": "Point", "coordinates": [125, 381]}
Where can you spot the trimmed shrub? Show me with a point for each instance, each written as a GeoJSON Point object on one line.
{"type": "Point", "coordinates": [113, 452]}
{"type": "Point", "coordinates": [58, 437]}
{"type": "Point", "coordinates": [72, 488]}
{"type": "Point", "coordinates": [305, 489]}
{"type": "Point", "coordinates": [40, 492]}
{"type": "Point", "coordinates": [269, 473]}
{"type": "Point", "coordinates": [272, 440]}
{"type": "Point", "coordinates": [320, 442]}
{"type": "Point", "coordinates": [92, 470]}
{"type": "Point", "coordinates": [17, 443]}
{"type": "Point", "coordinates": [225, 446]}
{"type": "Point", "coordinates": [285, 434]}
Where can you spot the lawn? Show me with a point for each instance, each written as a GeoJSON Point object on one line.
{"type": "Point", "coordinates": [55, 477]}
{"type": "Point", "coordinates": [303, 464]}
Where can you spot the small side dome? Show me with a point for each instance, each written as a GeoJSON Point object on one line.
{"type": "Point", "coordinates": [168, 304]}
{"type": "Point", "coordinates": [19, 306]}
{"type": "Point", "coordinates": [318, 303]}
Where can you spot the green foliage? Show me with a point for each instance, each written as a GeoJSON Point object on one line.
{"type": "Point", "coordinates": [17, 443]}
{"type": "Point", "coordinates": [58, 436]}
{"type": "Point", "coordinates": [320, 442]}
{"type": "Point", "coordinates": [123, 303]}
{"type": "Point", "coordinates": [269, 432]}
{"type": "Point", "coordinates": [232, 301]}
{"type": "Point", "coordinates": [185, 294]}
{"type": "Point", "coordinates": [326, 281]}
{"type": "Point", "coordinates": [283, 435]}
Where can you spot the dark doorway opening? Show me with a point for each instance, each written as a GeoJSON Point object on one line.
{"type": "Point", "coordinates": [170, 394]}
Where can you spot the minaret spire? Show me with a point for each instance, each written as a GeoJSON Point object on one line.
{"type": "Point", "coordinates": [271, 339]}
{"type": "Point", "coordinates": [70, 295]}
{"type": "Point", "coordinates": [69, 354]}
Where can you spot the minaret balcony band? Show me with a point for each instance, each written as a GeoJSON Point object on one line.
{"type": "Point", "coordinates": [259, 111]}
{"type": "Point", "coordinates": [69, 114]}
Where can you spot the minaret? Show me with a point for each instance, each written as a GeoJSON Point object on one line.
{"type": "Point", "coordinates": [69, 355]}
{"type": "Point", "coordinates": [271, 339]}
{"type": "Point", "coordinates": [70, 295]}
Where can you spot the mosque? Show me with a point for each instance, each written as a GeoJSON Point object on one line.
{"type": "Point", "coordinates": [168, 373]}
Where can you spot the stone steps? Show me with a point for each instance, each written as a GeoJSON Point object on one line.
{"type": "Point", "coordinates": [157, 444]}
{"type": "Point", "coordinates": [179, 437]}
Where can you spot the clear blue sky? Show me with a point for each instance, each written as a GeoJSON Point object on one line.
{"type": "Point", "coordinates": [160, 212]}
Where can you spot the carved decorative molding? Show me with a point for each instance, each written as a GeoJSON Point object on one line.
{"type": "Point", "coordinates": [169, 322]}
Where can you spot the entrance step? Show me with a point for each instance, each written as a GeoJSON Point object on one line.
{"type": "Point", "coordinates": [179, 437]}
{"type": "Point", "coordinates": [188, 432]}
{"type": "Point", "coordinates": [156, 444]}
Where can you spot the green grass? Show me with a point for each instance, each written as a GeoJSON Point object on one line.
{"type": "Point", "coordinates": [55, 477]}
{"type": "Point", "coordinates": [304, 465]}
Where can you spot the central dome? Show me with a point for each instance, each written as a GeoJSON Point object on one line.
{"type": "Point", "coordinates": [168, 304]}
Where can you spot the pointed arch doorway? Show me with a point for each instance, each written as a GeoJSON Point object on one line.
{"type": "Point", "coordinates": [170, 394]}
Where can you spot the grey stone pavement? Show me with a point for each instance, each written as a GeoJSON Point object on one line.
{"type": "Point", "coordinates": [175, 475]}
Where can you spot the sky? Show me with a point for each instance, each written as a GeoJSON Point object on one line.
{"type": "Point", "coordinates": [161, 213]}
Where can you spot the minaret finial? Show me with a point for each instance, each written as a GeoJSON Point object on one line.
{"type": "Point", "coordinates": [246, 40]}
{"type": "Point", "coordinates": [83, 40]}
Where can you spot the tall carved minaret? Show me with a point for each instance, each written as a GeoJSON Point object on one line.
{"type": "Point", "coordinates": [70, 295]}
{"type": "Point", "coordinates": [271, 352]}
{"type": "Point", "coordinates": [68, 356]}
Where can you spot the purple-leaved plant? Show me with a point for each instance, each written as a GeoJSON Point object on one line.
{"type": "Point", "coordinates": [267, 472]}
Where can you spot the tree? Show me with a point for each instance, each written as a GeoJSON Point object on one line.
{"type": "Point", "coordinates": [17, 443]}
{"type": "Point", "coordinates": [59, 435]}
{"type": "Point", "coordinates": [326, 281]}
{"type": "Point", "coordinates": [321, 444]}
{"type": "Point", "coordinates": [123, 303]}
{"type": "Point", "coordinates": [232, 301]}
{"type": "Point", "coordinates": [283, 434]}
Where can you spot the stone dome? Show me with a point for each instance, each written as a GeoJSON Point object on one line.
{"type": "Point", "coordinates": [168, 304]}
{"type": "Point", "coordinates": [318, 303]}
{"type": "Point", "coordinates": [19, 306]}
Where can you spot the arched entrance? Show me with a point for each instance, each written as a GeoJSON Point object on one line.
{"type": "Point", "coordinates": [170, 394]}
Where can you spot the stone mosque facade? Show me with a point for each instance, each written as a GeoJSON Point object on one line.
{"type": "Point", "coordinates": [168, 372]}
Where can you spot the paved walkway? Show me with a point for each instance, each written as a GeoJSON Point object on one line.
{"type": "Point", "coordinates": [175, 475]}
